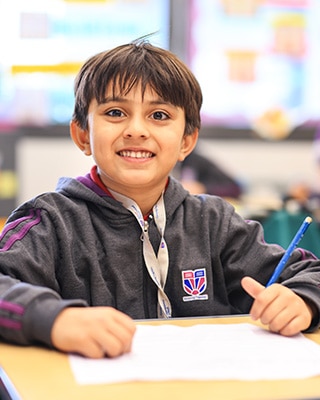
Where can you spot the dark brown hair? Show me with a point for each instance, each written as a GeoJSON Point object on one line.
{"type": "Point", "coordinates": [138, 63]}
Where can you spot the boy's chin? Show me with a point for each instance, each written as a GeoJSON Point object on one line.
{"type": "Point", "coordinates": [141, 181]}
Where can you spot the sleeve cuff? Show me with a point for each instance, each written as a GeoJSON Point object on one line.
{"type": "Point", "coordinates": [41, 315]}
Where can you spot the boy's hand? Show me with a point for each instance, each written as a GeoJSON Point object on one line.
{"type": "Point", "coordinates": [278, 307]}
{"type": "Point", "coordinates": [94, 332]}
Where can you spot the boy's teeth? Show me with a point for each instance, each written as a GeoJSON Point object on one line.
{"type": "Point", "coordinates": [136, 154]}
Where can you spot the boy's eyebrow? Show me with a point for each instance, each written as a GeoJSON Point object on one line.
{"type": "Point", "coordinates": [120, 99]}
{"type": "Point", "coordinates": [108, 99]}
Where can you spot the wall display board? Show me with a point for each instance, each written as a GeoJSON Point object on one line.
{"type": "Point", "coordinates": [258, 63]}
{"type": "Point", "coordinates": [48, 41]}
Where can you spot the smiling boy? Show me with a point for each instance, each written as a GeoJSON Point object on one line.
{"type": "Point", "coordinates": [136, 140]}
{"type": "Point", "coordinates": [127, 239]}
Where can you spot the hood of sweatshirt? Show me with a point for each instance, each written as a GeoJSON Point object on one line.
{"type": "Point", "coordinates": [85, 189]}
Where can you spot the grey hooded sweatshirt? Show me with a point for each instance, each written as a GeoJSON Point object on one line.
{"type": "Point", "coordinates": [78, 246]}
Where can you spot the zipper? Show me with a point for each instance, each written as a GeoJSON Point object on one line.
{"type": "Point", "coordinates": [146, 226]}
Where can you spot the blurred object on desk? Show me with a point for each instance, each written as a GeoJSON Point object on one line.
{"type": "Point", "coordinates": [281, 226]}
{"type": "Point", "coordinates": [259, 202]}
{"type": "Point", "coordinates": [303, 195]}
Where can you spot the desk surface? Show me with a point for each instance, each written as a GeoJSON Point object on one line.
{"type": "Point", "coordinates": [45, 374]}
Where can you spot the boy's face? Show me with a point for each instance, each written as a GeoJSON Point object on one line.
{"type": "Point", "coordinates": [135, 141]}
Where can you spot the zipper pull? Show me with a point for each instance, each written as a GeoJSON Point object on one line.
{"type": "Point", "coordinates": [146, 226]}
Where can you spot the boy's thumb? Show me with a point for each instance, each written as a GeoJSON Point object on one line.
{"type": "Point", "coordinates": [251, 286]}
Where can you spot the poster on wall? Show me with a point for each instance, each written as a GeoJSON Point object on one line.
{"type": "Point", "coordinates": [258, 63]}
{"type": "Point", "coordinates": [48, 41]}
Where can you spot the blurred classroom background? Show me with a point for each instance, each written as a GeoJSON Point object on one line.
{"type": "Point", "coordinates": [257, 61]}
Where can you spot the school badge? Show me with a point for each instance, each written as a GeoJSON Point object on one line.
{"type": "Point", "coordinates": [194, 284]}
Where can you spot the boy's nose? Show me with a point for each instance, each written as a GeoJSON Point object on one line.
{"type": "Point", "coordinates": [136, 128]}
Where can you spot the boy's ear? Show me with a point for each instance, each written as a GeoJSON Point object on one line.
{"type": "Point", "coordinates": [80, 137]}
{"type": "Point", "coordinates": [188, 144]}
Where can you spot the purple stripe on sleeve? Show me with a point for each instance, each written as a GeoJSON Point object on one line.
{"type": "Point", "coordinates": [15, 223]}
{"type": "Point", "coordinates": [306, 256]}
{"type": "Point", "coordinates": [23, 231]}
{"type": "Point", "coordinates": [15, 308]}
{"type": "Point", "coordinates": [7, 323]}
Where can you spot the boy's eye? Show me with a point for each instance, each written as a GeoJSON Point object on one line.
{"type": "Point", "coordinates": [159, 115]}
{"type": "Point", "coordinates": [115, 113]}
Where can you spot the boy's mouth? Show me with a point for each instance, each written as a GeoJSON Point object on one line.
{"type": "Point", "coordinates": [135, 154]}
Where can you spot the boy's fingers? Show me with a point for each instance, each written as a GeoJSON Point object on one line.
{"type": "Point", "coordinates": [251, 286]}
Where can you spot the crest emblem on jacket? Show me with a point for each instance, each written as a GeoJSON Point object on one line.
{"type": "Point", "coordinates": [194, 283]}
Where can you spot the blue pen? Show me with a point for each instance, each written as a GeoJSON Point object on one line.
{"type": "Point", "coordinates": [304, 226]}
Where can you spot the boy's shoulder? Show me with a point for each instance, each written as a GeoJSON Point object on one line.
{"type": "Point", "coordinates": [67, 191]}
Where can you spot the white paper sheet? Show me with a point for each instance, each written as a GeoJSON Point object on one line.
{"type": "Point", "coordinates": [204, 352]}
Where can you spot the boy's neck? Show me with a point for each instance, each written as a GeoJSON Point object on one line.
{"type": "Point", "coordinates": [145, 199]}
